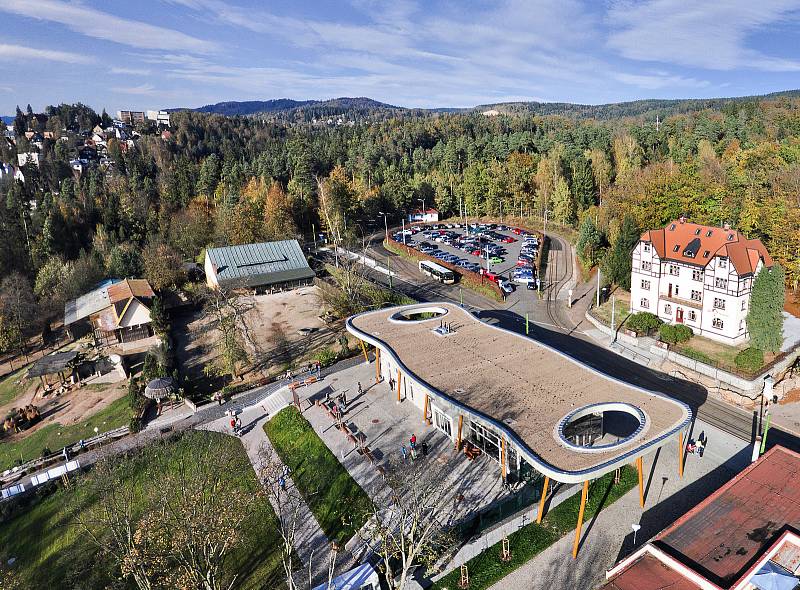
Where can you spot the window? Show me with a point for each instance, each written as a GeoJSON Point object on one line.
{"type": "Point", "coordinates": [668, 309]}
{"type": "Point", "coordinates": [706, 253]}
{"type": "Point", "coordinates": [677, 289]}
{"type": "Point", "coordinates": [721, 283]}
{"type": "Point", "coordinates": [719, 303]}
{"type": "Point", "coordinates": [744, 304]}
{"type": "Point", "coordinates": [646, 265]}
{"type": "Point", "coordinates": [717, 323]}
{"type": "Point", "coordinates": [674, 270]}
{"type": "Point", "coordinates": [646, 285]}
{"type": "Point", "coordinates": [723, 262]}
{"type": "Point", "coordinates": [697, 232]}
{"type": "Point", "coordinates": [442, 422]}
{"type": "Point", "coordinates": [697, 275]}
{"type": "Point", "coordinates": [672, 227]}
{"type": "Point", "coordinates": [692, 315]}
{"type": "Point", "coordinates": [676, 247]}
{"type": "Point", "coordinates": [741, 325]}
{"type": "Point", "coordinates": [697, 295]}
{"type": "Point", "coordinates": [708, 233]}
{"type": "Point", "coordinates": [644, 303]}
{"type": "Point", "coordinates": [647, 248]}
{"type": "Point", "coordinates": [730, 237]}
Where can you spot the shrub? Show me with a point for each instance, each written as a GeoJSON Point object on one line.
{"type": "Point", "coordinates": [326, 357]}
{"type": "Point", "coordinates": [674, 334]}
{"type": "Point", "coordinates": [697, 355]}
{"type": "Point", "coordinates": [135, 425]}
{"type": "Point", "coordinates": [750, 359]}
{"type": "Point", "coordinates": [643, 322]}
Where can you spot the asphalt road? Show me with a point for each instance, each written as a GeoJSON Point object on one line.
{"type": "Point", "coordinates": [548, 324]}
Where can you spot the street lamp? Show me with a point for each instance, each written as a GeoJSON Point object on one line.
{"type": "Point", "coordinates": [385, 224]}
{"type": "Point", "coordinates": [423, 208]}
{"type": "Point", "coordinates": [501, 211]}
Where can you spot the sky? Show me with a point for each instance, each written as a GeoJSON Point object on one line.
{"type": "Point", "coordinates": [150, 54]}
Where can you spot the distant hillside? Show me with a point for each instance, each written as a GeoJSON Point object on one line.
{"type": "Point", "coordinates": [362, 107]}
{"type": "Point", "coordinates": [330, 107]}
{"type": "Point", "coordinates": [7, 120]}
{"type": "Point", "coordinates": [637, 108]}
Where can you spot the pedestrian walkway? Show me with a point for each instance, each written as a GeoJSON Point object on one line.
{"type": "Point", "coordinates": [310, 541]}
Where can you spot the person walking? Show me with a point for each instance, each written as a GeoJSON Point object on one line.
{"type": "Point", "coordinates": [282, 482]}
{"type": "Point", "coordinates": [413, 444]}
{"type": "Point", "coordinates": [404, 452]}
{"type": "Point", "coordinates": [344, 395]}
{"type": "Point", "coordinates": [233, 425]}
{"type": "Point", "coordinates": [360, 390]}
{"type": "Point", "coordinates": [238, 428]}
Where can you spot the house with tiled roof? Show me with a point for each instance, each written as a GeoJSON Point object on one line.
{"type": "Point", "coordinates": [697, 275]}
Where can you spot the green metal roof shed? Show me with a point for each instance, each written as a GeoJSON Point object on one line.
{"type": "Point", "coordinates": [257, 265]}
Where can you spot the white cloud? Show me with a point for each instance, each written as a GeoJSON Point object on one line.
{"type": "Point", "coordinates": [105, 26]}
{"type": "Point", "coordinates": [711, 35]}
{"type": "Point", "coordinates": [20, 53]}
{"type": "Point", "coordinates": [129, 71]}
{"type": "Point", "coordinates": [140, 90]}
{"type": "Point", "coordinates": [659, 80]}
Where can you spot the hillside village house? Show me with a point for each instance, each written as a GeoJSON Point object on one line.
{"type": "Point", "coordinates": [698, 275]}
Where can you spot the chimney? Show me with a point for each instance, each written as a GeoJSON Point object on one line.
{"type": "Point", "coordinates": [682, 219]}
{"type": "Point", "coordinates": [726, 226]}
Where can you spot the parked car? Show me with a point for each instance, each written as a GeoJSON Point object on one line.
{"type": "Point", "coordinates": [496, 260]}
{"type": "Point", "coordinates": [490, 275]}
{"type": "Point", "coordinates": [506, 287]}
{"type": "Point", "coordinates": [531, 286]}
{"type": "Point", "coordinates": [508, 240]}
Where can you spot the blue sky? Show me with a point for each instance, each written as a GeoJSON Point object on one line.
{"type": "Point", "coordinates": [167, 53]}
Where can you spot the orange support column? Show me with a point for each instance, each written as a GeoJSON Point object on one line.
{"type": "Point", "coordinates": [542, 500]}
{"type": "Point", "coordinates": [680, 453]}
{"type": "Point", "coordinates": [458, 437]}
{"type": "Point", "coordinates": [364, 350]}
{"type": "Point", "coordinates": [398, 386]}
{"type": "Point", "coordinates": [641, 482]}
{"type": "Point", "coordinates": [377, 365]}
{"type": "Point", "coordinates": [425, 411]}
{"type": "Point", "coordinates": [503, 458]}
{"type": "Point", "coordinates": [584, 495]}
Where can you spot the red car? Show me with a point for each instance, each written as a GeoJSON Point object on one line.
{"type": "Point", "coordinates": [476, 252]}
{"type": "Point", "coordinates": [508, 240]}
{"type": "Point", "coordinates": [517, 230]}
{"type": "Point", "coordinates": [523, 262]}
{"type": "Point", "coordinates": [490, 275]}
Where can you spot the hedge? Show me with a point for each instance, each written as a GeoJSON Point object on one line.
{"type": "Point", "coordinates": [750, 359]}
{"type": "Point", "coordinates": [674, 334]}
{"type": "Point", "coordinates": [643, 322]}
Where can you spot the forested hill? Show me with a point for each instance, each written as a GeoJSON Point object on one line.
{"type": "Point", "coordinates": [319, 108]}
{"type": "Point", "coordinates": [306, 110]}
{"type": "Point", "coordinates": [647, 108]}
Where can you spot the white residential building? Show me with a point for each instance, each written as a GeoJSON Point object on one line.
{"type": "Point", "coordinates": [697, 275]}
{"type": "Point", "coordinates": [160, 117]}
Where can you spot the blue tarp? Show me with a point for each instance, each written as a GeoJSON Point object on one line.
{"type": "Point", "coordinates": [774, 577]}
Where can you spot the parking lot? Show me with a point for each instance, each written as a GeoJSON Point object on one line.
{"type": "Point", "coordinates": [509, 253]}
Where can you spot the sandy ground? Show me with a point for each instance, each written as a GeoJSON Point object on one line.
{"type": "Point", "coordinates": [274, 323]}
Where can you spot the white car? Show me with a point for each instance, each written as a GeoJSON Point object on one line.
{"type": "Point", "coordinates": [506, 287]}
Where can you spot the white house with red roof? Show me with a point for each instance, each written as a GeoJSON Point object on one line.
{"type": "Point", "coordinates": [698, 275]}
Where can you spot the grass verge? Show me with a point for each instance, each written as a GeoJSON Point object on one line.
{"type": "Point", "coordinates": [487, 568]}
{"type": "Point", "coordinates": [9, 388]}
{"type": "Point", "coordinates": [56, 436]}
{"type": "Point", "coordinates": [51, 552]}
{"type": "Point", "coordinates": [330, 492]}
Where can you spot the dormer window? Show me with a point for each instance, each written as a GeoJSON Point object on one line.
{"type": "Point", "coordinates": [730, 237]}
{"type": "Point", "coordinates": [697, 232]}
{"type": "Point", "coordinates": [723, 262]}
{"type": "Point", "coordinates": [647, 248]}
{"type": "Point", "coordinates": [676, 248]}
{"type": "Point", "coordinates": [706, 253]}
{"type": "Point", "coordinates": [672, 227]}
{"type": "Point", "coordinates": [708, 233]}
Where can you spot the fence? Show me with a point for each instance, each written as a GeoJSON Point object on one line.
{"type": "Point", "coordinates": [38, 480]}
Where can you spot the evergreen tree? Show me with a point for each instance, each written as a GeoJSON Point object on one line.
{"type": "Point", "coordinates": [563, 204]}
{"type": "Point", "coordinates": [20, 123]}
{"type": "Point", "coordinates": [582, 182]}
{"type": "Point", "coordinates": [765, 319]}
{"type": "Point", "coordinates": [589, 242]}
{"type": "Point", "coordinates": [617, 263]}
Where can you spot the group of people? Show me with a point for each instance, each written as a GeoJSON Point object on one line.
{"type": "Point", "coordinates": [412, 449]}
{"type": "Point", "coordinates": [697, 446]}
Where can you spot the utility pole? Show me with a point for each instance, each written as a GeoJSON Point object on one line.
{"type": "Point", "coordinates": [404, 230]}
{"type": "Point", "coordinates": [613, 325]}
{"type": "Point", "coordinates": [597, 304]}
{"type": "Point", "coordinates": [385, 224]}
{"type": "Point", "coordinates": [501, 210]}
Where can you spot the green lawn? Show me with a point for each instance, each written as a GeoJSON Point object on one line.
{"type": "Point", "coordinates": [55, 436]}
{"type": "Point", "coordinates": [621, 312]}
{"type": "Point", "coordinates": [52, 552]}
{"type": "Point", "coordinates": [327, 488]}
{"type": "Point", "coordinates": [487, 569]}
{"type": "Point", "coordinates": [9, 390]}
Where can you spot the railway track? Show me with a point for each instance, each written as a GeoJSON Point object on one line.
{"type": "Point", "coordinates": [559, 272]}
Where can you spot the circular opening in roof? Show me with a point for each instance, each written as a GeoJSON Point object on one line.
{"type": "Point", "coordinates": [418, 314]}
{"type": "Point", "coordinates": [600, 427]}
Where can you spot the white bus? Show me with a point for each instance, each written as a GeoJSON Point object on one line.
{"type": "Point", "coordinates": [437, 271]}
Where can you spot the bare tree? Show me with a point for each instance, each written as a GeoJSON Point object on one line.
{"type": "Point", "coordinates": [229, 311]}
{"type": "Point", "coordinates": [17, 312]}
{"type": "Point", "coordinates": [287, 503]}
{"type": "Point", "coordinates": [408, 528]}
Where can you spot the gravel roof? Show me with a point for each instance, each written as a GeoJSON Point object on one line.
{"type": "Point", "coordinates": [523, 386]}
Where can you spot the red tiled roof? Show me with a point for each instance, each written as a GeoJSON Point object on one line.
{"type": "Point", "coordinates": [743, 253]}
{"type": "Point", "coordinates": [649, 573]}
{"type": "Point", "coordinates": [722, 536]}
{"type": "Point", "coordinates": [128, 288]}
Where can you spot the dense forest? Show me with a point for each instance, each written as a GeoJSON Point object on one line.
{"type": "Point", "coordinates": [160, 198]}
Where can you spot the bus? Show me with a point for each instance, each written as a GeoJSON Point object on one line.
{"type": "Point", "coordinates": [437, 271]}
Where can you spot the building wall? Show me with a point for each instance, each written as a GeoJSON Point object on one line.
{"type": "Point", "coordinates": [211, 274]}
{"type": "Point", "coordinates": [713, 301]}
{"type": "Point", "coordinates": [136, 314]}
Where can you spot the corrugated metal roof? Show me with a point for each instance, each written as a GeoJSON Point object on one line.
{"type": "Point", "coordinates": [86, 305]}
{"type": "Point", "coordinates": [253, 265]}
